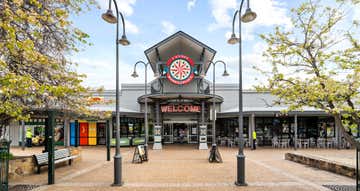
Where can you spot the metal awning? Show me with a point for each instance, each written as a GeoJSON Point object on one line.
{"type": "Point", "coordinates": [183, 96]}
{"type": "Point", "coordinates": [179, 43]}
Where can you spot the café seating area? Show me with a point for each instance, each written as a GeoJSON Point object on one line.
{"type": "Point", "coordinates": [321, 143]}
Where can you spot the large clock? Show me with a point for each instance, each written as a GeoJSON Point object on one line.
{"type": "Point", "coordinates": [180, 69]}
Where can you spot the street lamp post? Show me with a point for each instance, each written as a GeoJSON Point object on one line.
{"type": "Point", "coordinates": [135, 75]}
{"type": "Point", "coordinates": [248, 16]}
{"type": "Point", "coordinates": [214, 150]}
{"type": "Point", "coordinates": [110, 18]}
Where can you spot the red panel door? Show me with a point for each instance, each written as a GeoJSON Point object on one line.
{"type": "Point", "coordinates": [84, 133]}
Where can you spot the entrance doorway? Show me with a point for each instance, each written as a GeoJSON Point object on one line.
{"type": "Point", "coordinates": [180, 132]}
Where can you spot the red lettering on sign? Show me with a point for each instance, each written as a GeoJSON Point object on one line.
{"type": "Point", "coordinates": [180, 108]}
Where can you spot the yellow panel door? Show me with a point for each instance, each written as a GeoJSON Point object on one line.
{"type": "Point", "coordinates": [92, 133]}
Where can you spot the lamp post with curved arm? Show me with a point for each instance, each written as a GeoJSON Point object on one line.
{"type": "Point", "coordinates": [248, 16]}
{"type": "Point", "coordinates": [135, 75]}
{"type": "Point", "coordinates": [214, 153]}
{"type": "Point", "coordinates": [110, 18]}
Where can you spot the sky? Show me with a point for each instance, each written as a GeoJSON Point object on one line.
{"type": "Point", "coordinates": [150, 21]}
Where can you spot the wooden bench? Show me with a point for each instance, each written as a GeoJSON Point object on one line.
{"type": "Point", "coordinates": [61, 155]}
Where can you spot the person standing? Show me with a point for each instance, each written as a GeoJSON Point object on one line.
{"type": "Point", "coordinates": [29, 137]}
{"type": "Point", "coordinates": [254, 140]}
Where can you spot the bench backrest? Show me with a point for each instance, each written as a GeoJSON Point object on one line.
{"type": "Point", "coordinates": [59, 154]}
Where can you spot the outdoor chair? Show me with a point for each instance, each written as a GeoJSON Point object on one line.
{"type": "Point", "coordinates": [285, 143]}
{"type": "Point", "coordinates": [230, 142]}
{"type": "Point", "coordinates": [275, 142]}
{"type": "Point", "coordinates": [320, 143]}
{"type": "Point", "coordinates": [305, 143]}
{"type": "Point", "coordinates": [312, 142]}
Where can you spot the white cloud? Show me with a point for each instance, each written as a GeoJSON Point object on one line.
{"type": "Point", "coordinates": [131, 28]}
{"type": "Point", "coordinates": [251, 76]}
{"type": "Point", "coordinates": [221, 12]}
{"type": "Point", "coordinates": [127, 8]}
{"type": "Point", "coordinates": [191, 4]}
{"type": "Point", "coordinates": [101, 72]}
{"type": "Point", "coordinates": [269, 13]}
{"type": "Point", "coordinates": [167, 27]}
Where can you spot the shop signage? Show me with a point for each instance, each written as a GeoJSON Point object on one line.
{"type": "Point", "coordinates": [180, 69]}
{"type": "Point", "coordinates": [181, 108]}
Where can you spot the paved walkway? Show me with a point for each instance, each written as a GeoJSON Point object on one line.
{"type": "Point", "coordinates": [183, 167]}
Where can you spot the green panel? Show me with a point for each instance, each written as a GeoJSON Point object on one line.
{"type": "Point", "coordinates": [123, 142]}
{"type": "Point", "coordinates": [138, 141]}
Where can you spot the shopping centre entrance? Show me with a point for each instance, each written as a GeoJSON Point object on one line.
{"type": "Point", "coordinates": [180, 132]}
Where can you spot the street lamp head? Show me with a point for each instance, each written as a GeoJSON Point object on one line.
{"type": "Point", "coordinates": [248, 16]}
{"type": "Point", "coordinates": [134, 74]}
{"type": "Point", "coordinates": [124, 41]}
{"type": "Point", "coordinates": [233, 39]}
{"type": "Point", "coordinates": [225, 73]}
{"type": "Point", "coordinates": [109, 17]}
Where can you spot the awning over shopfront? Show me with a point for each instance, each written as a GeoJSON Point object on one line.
{"type": "Point", "coordinates": [274, 110]}
{"type": "Point", "coordinates": [183, 96]}
{"type": "Point", "coordinates": [111, 107]}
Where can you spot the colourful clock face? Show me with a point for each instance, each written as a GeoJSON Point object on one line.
{"type": "Point", "coordinates": [180, 69]}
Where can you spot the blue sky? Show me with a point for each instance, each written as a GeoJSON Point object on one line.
{"type": "Point", "coordinates": [150, 21]}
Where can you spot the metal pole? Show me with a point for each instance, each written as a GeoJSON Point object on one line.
{"type": "Point", "coordinates": [108, 138]}
{"type": "Point", "coordinates": [146, 115]}
{"type": "Point", "coordinates": [203, 112]}
{"type": "Point", "coordinates": [295, 131]}
{"type": "Point", "coordinates": [213, 111]}
{"type": "Point", "coordinates": [77, 137]}
{"type": "Point", "coordinates": [240, 181]}
{"type": "Point", "coordinates": [117, 157]}
{"type": "Point", "coordinates": [357, 170]}
{"type": "Point", "coordinates": [50, 124]}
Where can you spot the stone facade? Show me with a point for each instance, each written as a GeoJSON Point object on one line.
{"type": "Point", "coordinates": [323, 164]}
{"type": "Point", "coordinates": [25, 165]}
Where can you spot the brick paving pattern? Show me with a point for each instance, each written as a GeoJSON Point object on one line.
{"type": "Point", "coordinates": [184, 167]}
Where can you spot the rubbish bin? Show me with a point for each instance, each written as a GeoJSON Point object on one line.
{"type": "Point", "coordinates": [4, 164]}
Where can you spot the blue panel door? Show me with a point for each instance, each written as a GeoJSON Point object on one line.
{"type": "Point", "coordinates": [72, 134]}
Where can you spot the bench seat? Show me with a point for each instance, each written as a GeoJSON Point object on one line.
{"type": "Point", "coordinates": [61, 155]}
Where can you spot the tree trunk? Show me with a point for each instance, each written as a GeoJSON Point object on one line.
{"type": "Point", "coordinates": [347, 134]}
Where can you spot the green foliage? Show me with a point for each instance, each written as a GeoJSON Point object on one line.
{"type": "Point", "coordinates": [35, 36]}
{"type": "Point", "coordinates": [317, 62]}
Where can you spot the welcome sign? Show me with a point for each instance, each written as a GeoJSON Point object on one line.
{"type": "Point", "coordinates": [180, 108]}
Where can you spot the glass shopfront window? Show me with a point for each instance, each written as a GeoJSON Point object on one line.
{"type": "Point", "coordinates": [326, 126]}
{"type": "Point", "coordinates": [130, 127]}
{"type": "Point", "coordinates": [229, 127]}
{"type": "Point", "coordinates": [307, 127]}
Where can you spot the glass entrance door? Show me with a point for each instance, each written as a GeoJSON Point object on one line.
{"type": "Point", "coordinates": [193, 132]}
{"type": "Point", "coordinates": [168, 133]}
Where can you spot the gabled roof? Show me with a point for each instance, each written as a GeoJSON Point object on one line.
{"type": "Point", "coordinates": [180, 43]}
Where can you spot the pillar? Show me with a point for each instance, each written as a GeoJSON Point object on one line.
{"type": "Point", "coordinates": [295, 131]}
{"type": "Point", "coordinates": [108, 138]}
{"type": "Point", "coordinates": [50, 125]}
{"type": "Point", "coordinates": [157, 129]}
{"type": "Point", "coordinates": [67, 132]}
{"type": "Point", "coordinates": [251, 129]}
{"type": "Point", "coordinates": [203, 129]}
{"type": "Point", "coordinates": [23, 137]}
{"type": "Point", "coordinates": [338, 133]}
{"type": "Point", "coordinates": [77, 136]}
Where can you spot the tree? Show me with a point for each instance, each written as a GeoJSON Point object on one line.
{"type": "Point", "coordinates": [35, 38]}
{"type": "Point", "coordinates": [317, 62]}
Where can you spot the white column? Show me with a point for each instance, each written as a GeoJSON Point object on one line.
{"type": "Point", "coordinates": [66, 132]}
